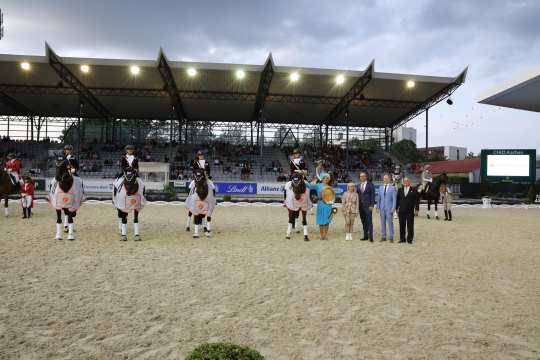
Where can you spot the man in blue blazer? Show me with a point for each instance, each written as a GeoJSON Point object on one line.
{"type": "Point", "coordinates": [366, 196]}
{"type": "Point", "coordinates": [386, 204]}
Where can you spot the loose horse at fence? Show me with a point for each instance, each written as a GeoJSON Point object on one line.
{"type": "Point", "coordinates": [201, 202]}
{"type": "Point", "coordinates": [128, 196]}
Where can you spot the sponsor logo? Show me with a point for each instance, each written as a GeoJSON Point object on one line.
{"type": "Point", "coordinates": [236, 188]}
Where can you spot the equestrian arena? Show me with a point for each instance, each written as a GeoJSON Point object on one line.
{"type": "Point", "coordinates": [466, 289]}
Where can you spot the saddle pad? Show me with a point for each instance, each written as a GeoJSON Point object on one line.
{"type": "Point", "coordinates": [64, 200]}
{"type": "Point", "coordinates": [133, 202]}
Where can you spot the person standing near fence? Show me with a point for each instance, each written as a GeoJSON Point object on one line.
{"type": "Point", "coordinates": [386, 204]}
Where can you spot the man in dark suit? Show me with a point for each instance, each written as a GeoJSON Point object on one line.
{"type": "Point", "coordinates": [366, 196]}
{"type": "Point", "coordinates": [406, 201]}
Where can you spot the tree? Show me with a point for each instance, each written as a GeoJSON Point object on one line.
{"type": "Point", "coordinates": [406, 151]}
{"type": "Point", "coordinates": [470, 155]}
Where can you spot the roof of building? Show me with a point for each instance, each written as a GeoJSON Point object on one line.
{"type": "Point", "coordinates": [163, 89]}
{"type": "Point", "coordinates": [455, 166]}
{"type": "Point", "coordinates": [521, 93]}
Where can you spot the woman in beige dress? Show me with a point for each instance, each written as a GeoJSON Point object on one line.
{"type": "Point", "coordinates": [349, 207]}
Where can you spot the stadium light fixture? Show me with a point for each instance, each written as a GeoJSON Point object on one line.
{"type": "Point", "coordinates": [340, 79]}
{"type": "Point", "coordinates": [240, 74]}
{"type": "Point", "coordinates": [25, 66]}
{"type": "Point", "coordinates": [85, 68]}
{"type": "Point", "coordinates": [191, 72]}
{"type": "Point", "coordinates": [294, 76]}
{"type": "Point", "coordinates": [135, 70]}
{"type": "Point", "coordinates": [410, 84]}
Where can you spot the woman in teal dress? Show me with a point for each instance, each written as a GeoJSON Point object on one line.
{"type": "Point", "coordinates": [324, 205]}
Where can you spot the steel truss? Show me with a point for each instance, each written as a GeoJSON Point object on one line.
{"type": "Point", "coordinates": [446, 92]}
{"type": "Point", "coordinates": [171, 88]}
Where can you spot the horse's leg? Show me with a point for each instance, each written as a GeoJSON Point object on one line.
{"type": "Point", "coordinates": [65, 222]}
{"type": "Point", "coordinates": [70, 224]}
{"type": "Point", "coordinates": [58, 225]}
{"type": "Point", "coordinates": [197, 220]}
{"type": "Point", "coordinates": [428, 208]}
{"type": "Point", "coordinates": [6, 201]}
{"type": "Point", "coordinates": [436, 201]}
{"type": "Point", "coordinates": [290, 224]}
{"type": "Point", "coordinates": [123, 219]}
{"type": "Point", "coordinates": [208, 227]}
{"type": "Point", "coordinates": [304, 225]}
{"type": "Point", "coordinates": [188, 222]}
{"type": "Point", "coordinates": [136, 235]}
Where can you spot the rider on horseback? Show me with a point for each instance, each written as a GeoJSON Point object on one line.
{"type": "Point", "coordinates": [129, 159]}
{"type": "Point", "coordinates": [73, 164]}
{"type": "Point", "coordinates": [13, 168]}
{"type": "Point", "coordinates": [297, 164]}
{"type": "Point", "coordinates": [427, 177]}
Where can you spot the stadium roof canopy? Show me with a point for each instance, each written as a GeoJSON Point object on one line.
{"type": "Point", "coordinates": [163, 89]}
{"type": "Point", "coordinates": [522, 93]}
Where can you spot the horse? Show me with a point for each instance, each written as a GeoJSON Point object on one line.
{"type": "Point", "coordinates": [201, 202]}
{"type": "Point", "coordinates": [128, 196]}
{"type": "Point", "coordinates": [430, 194]}
{"type": "Point", "coordinates": [297, 199]}
{"type": "Point", "coordinates": [65, 194]}
{"type": "Point", "coordinates": [6, 188]}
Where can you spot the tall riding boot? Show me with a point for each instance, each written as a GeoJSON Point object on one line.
{"type": "Point", "coordinates": [24, 212]}
{"type": "Point", "coordinates": [449, 215]}
{"type": "Point", "coordinates": [445, 214]}
{"type": "Point", "coordinates": [29, 212]}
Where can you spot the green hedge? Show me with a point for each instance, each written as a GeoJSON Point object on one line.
{"type": "Point", "coordinates": [223, 351]}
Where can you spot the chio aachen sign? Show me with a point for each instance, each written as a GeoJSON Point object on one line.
{"type": "Point", "coordinates": [517, 165]}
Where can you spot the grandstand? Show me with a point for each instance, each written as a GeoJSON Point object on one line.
{"type": "Point", "coordinates": [247, 117]}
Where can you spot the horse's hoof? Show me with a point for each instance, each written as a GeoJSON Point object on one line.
{"type": "Point", "coordinates": [288, 237]}
{"type": "Point", "coordinates": [137, 238]}
{"type": "Point", "coordinates": [428, 217]}
{"type": "Point", "coordinates": [123, 238]}
{"type": "Point", "coordinates": [306, 238]}
{"type": "Point", "coordinates": [187, 228]}
{"type": "Point", "coordinates": [58, 238]}
{"type": "Point", "coordinates": [436, 218]}
{"type": "Point", "coordinates": [71, 237]}
{"type": "Point", "coordinates": [195, 236]}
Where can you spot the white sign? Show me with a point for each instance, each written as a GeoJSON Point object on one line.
{"type": "Point", "coordinates": [270, 188]}
{"type": "Point", "coordinates": [98, 185]}
{"type": "Point", "coordinates": [508, 165]}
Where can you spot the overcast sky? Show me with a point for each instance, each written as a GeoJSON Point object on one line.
{"type": "Point", "coordinates": [498, 40]}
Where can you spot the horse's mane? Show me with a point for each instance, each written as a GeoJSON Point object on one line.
{"type": "Point", "coordinates": [63, 176]}
{"type": "Point", "coordinates": [299, 190]}
{"type": "Point", "coordinates": [201, 188]}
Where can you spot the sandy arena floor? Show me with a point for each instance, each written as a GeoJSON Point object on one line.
{"type": "Point", "coordinates": [469, 289]}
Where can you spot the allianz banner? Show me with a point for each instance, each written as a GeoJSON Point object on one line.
{"type": "Point", "coordinates": [236, 188]}
{"type": "Point", "coordinates": [270, 188]}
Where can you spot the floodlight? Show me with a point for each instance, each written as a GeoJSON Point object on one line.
{"type": "Point", "coordinates": [294, 76]}
{"type": "Point", "coordinates": [340, 79]}
{"type": "Point", "coordinates": [191, 72]}
{"type": "Point", "coordinates": [25, 66]}
{"type": "Point", "coordinates": [410, 84]}
{"type": "Point", "coordinates": [240, 74]}
{"type": "Point", "coordinates": [85, 68]}
{"type": "Point", "coordinates": [135, 70]}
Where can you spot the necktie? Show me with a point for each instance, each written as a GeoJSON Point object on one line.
{"type": "Point", "coordinates": [406, 191]}
{"type": "Point", "coordinates": [385, 189]}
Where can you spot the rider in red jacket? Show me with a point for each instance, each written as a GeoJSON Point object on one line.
{"type": "Point", "coordinates": [13, 167]}
{"type": "Point", "coordinates": [27, 196]}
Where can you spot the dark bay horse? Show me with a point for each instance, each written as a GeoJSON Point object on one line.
{"type": "Point", "coordinates": [64, 182]}
{"type": "Point", "coordinates": [200, 203]}
{"type": "Point", "coordinates": [6, 189]}
{"type": "Point", "coordinates": [299, 200]}
{"type": "Point", "coordinates": [431, 194]}
{"type": "Point", "coordinates": [127, 197]}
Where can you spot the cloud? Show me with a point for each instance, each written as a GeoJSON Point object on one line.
{"type": "Point", "coordinates": [498, 39]}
